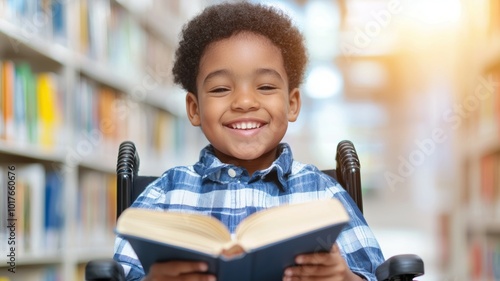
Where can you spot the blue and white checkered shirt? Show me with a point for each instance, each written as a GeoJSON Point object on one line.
{"type": "Point", "coordinates": [228, 193]}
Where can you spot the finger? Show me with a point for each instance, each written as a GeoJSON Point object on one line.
{"type": "Point", "coordinates": [195, 277]}
{"type": "Point", "coordinates": [297, 278]}
{"type": "Point", "coordinates": [335, 249]}
{"type": "Point", "coordinates": [176, 268]}
{"type": "Point", "coordinates": [310, 271]}
{"type": "Point", "coordinates": [317, 258]}
{"type": "Point", "coordinates": [183, 277]}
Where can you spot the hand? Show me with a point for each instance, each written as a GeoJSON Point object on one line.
{"type": "Point", "coordinates": [320, 266]}
{"type": "Point", "coordinates": [179, 271]}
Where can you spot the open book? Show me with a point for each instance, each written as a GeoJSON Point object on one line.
{"type": "Point", "coordinates": [264, 244]}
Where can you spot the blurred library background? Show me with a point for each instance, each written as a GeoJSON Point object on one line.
{"type": "Point", "coordinates": [415, 85]}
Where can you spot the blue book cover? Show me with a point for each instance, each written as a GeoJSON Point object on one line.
{"type": "Point", "coordinates": [268, 244]}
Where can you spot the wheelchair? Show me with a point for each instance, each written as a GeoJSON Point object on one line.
{"type": "Point", "coordinates": [403, 267]}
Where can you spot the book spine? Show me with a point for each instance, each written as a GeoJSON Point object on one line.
{"type": "Point", "coordinates": [484, 259]}
{"type": "Point", "coordinates": [49, 111]}
{"type": "Point", "coordinates": [53, 214]}
{"type": "Point", "coordinates": [43, 18]}
{"type": "Point", "coordinates": [30, 108]}
{"type": "Point", "coordinates": [8, 94]}
{"type": "Point", "coordinates": [2, 101]}
{"type": "Point", "coordinates": [20, 105]}
{"type": "Point", "coordinates": [96, 213]}
{"type": "Point", "coordinates": [3, 211]}
{"type": "Point", "coordinates": [32, 177]}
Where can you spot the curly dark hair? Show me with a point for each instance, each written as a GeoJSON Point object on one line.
{"type": "Point", "coordinates": [227, 19]}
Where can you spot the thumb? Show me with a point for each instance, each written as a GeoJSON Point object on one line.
{"type": "Point", "coordinates": [335, 248]}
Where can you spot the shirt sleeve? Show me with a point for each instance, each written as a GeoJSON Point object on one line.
{"type": "Point", "coordinates": [357, 243]}
{"type": "Point", "coordinates": [125, 255]}
{"type": "Point", "coordinates": [123, 252]}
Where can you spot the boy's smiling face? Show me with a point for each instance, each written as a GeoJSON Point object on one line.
{"type": "Point", "coordinates": [243, 104]}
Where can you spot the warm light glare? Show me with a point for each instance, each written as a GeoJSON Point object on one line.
{"type": "Point", "coordinates": [440, 12]}
{"type": "Point", "coordinates": [324, 82]}
{"type": "Point", "coordinates": [322, 15]}
{"type": "Point", "coordinates": [321, 24]}
{"type": "Point", "coordinates": [367, 74]}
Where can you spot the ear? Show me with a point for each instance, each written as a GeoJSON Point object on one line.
{"type": "Point", "coordinates": [192, 109]}
{"type": "Point", "coordinates": [294, 104]}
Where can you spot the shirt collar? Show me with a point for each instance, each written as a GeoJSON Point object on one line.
{"type": "Point", "coordinates": [211, 168]}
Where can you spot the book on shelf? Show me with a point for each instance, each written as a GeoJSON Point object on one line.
{"type": "Point", "coordinates": [30, 202]}
{"type": "Point", "coordinates": [486, 119]}
{"type": "Point", "coordinates": [30, 107]}
{"type": "Point", "coordinates": [109, 34]}
{"type": "Point", "coordinates": [43, 18]}
{"type": "Point", "coordinates": [96, 209]}
{"type": "Point", "coordinates": [484, 258]}
{"type": "Point", "coordinates": [490, 184]}
{"type": "Point", "coordinates": [25, 85]}
{"type": "Point", "coordinates": [8, 98]}
{"type": "Point", "coordinates": [54, 210]}
{"type": "Point", "coordinates": [494, 18]}
{"type": "Point", "coordinates": [34, 202]}
{"type": "Point", "coordinates": [50, 117]}
{"type": "Point", "coordinates": [110, 121]}
{"type": "Point", "coordinates": [108, 116]}
{"type": "Point", "coordinates": [496, 95]}
{"type": "Point", "coordinates": [4, 211]}
{"type": "Point", "coordinates": [488, 179]}
{"type": "Point", "coordinates": [23, 202]}
{"type": "Point", "coordinates": [263, 245]}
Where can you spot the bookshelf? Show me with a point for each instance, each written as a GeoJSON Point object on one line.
{"type": "Point", "coordinates": [76, 79]}
{"type": "Point", "coordinates": [473, 224]}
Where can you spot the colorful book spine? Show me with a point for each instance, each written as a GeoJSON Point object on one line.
{"type": "Point", "coordinates": [8, 75]}
{"type": "Point", "coordinates": [49, 110]}
{"type": "Point", "coordinates": [30, 107]}
{"type": "Point", "coordinates": [96, 214]}
{"type": "Point", "coordinates": [53, 211]}
{"type": "Point", "coordinates": [43, 18]}
{"type": "Point", "coordinates": [36, 203]}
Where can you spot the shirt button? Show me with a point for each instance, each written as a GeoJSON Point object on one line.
{"type": "Point", "coordinates": [231, 173]}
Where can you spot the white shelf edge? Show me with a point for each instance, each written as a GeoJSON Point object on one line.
{"type": "Point", "coordinates": [38, 259]}
{"type": "Point", "coordinates": [101, 161]}
{"type": "Point", "coordinates": [49, 50]}
{"type": "Point", "coordinates": [168, 98]}
{"type": "Point", "coordinates": [104, 74]}
{"type": "Point", "coordinates": [31, 151]}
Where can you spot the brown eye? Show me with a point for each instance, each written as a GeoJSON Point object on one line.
{"type": "Point", "coordinates": [219, 90]}
{"type": "Point", "coordinates": [267, 88]}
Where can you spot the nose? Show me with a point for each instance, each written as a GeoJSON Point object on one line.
{"type": "Point", "coordinates": [245, 99]}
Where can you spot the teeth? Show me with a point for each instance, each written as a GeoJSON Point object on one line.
{"type": "Point", "coordinates": [246, 125]}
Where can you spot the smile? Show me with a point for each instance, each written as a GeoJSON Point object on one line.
{"type": "Point", "coordinates": [245, 125]}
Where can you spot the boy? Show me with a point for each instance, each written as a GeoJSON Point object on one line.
{"type": "Point", "coordinates": [242, 65]}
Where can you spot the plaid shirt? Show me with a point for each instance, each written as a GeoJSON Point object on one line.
{"type": "Point", "coordinates": [228, 193]}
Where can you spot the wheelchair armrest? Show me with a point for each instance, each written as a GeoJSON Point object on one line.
{"type": "Point", "coordinates": [104, 270]}
{"type": "Point", "coordinates": [403, 267]}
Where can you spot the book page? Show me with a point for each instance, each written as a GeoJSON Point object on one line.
{"type": "Point", "coordinates": [287, 221]}
{"type": "Point", "coordinates": [194, 231]}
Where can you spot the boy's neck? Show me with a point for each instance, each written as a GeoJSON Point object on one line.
{"type": "Point", "coordinates": [251, 165]}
